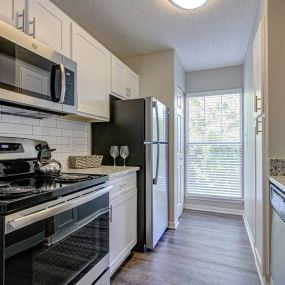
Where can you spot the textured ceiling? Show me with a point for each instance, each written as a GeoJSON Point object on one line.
{"type": "Point", "coordinates": [215, 35]}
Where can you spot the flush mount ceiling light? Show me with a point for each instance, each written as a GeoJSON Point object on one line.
{"type": "Point", "coordinates": [188, 4]}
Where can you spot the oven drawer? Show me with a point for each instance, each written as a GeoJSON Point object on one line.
{"type": "Point", "coordinates": [121, 185]}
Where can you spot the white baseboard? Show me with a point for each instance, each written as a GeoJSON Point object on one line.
{"type": "Point", "coordinates": [173, 225]}
{"type": "Point", "coordinates": [213, 209]}
{"type": "Point", "coordinates": [251, 240]}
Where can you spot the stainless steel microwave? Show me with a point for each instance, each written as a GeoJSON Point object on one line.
{"type": "Point", "coordinates": [34, 75]}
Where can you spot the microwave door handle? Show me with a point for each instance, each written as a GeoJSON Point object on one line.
{"type": "Point", "coordinates": [62, 76]}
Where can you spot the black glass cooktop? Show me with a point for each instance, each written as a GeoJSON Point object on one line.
{"type": "Point", "coordinates": [25, 191]}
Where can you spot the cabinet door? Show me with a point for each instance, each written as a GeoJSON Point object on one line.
{"type": "Point", "coordinates": [50, 25]}
{"type": "Point", "coordinates": [259, 69]}
{"type": "Point", "coordinates": [93, 74]}
{"type": "Point", "coordinates": [132, 85]}
{"type": "Point", "coordinates": [123, 227]}
{"type": "Point", "coordinates": [118, 80]}
{"type": "Point", "coordinates": [11, 11]}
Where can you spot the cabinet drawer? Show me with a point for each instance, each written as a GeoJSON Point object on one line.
{"type": "Point", "coordinates": [121, 185]}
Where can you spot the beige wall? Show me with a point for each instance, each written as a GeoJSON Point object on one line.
{"type": "Point", "coordinates": [157, 79]}
{"type": "Point", "coordinates": [214, 79]}
{"type": "Point", "coordinates": [276, 78]}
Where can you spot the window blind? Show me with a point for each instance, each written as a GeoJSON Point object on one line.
{"type": "Point", "coordinates": [214, 145]}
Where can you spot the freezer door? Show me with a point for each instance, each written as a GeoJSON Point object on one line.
{"type": "Point", "coordinates": [156, 121]}
{"type": "Point", "coordinates": [156, 192]}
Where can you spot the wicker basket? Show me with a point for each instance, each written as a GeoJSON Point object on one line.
{"type": "Point", "coordinates": [85, 161]}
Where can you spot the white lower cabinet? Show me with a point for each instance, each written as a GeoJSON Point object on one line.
{"type": "Point", "coordinates": [123, 221]}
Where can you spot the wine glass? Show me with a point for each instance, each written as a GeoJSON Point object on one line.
{"type": "Point", "coordinates": [114, 152]}
{"type": "Point", "coordinates": [124, 152]}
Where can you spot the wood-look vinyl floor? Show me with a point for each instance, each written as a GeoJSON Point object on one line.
{"type": "Point", "coordinates": [206, 249]}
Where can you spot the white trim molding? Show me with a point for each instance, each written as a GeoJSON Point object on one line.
{"type": "Point", "coordinates": [173, 225]}
{"type": "Point", "coordinates": [215, 92]}
{"type": "Point", "coordinates": [251, 240]}
{"type": "Point", "coordinates": [214, 209]}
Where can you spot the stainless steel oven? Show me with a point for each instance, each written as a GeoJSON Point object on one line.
{"type": "Point", "coordinates": [64, 241]}
{"type": "Point", "coordinates": [34, 75]}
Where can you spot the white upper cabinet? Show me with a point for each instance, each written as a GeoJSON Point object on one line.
{"type": "Point", "coordinates": [259, 69]}
{"type": "Point", "coordinates": [118, 86]}
{"type": "Point", "coordinates": [99, 73]}
{"type": "Point", "coordinates": [132, 89]}
{"type": "Point", "coordinates": [93, 74]}
{"type": "Point", "coordinates": [124, 82]}
{"type": "Point", "coordinates": [49, 25]}
{"type": "Point", "coordinates": [13, 12]}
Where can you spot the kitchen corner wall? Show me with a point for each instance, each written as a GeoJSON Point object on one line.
{"type": "Point", "coordinates": [156, 71]}
{"type": "Point", "coordinates": [68, 137]}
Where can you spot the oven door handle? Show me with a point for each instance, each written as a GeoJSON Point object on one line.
{"type": "Point", "coordinates": [21, 222]}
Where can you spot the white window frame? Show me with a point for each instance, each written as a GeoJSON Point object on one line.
{"type": "Point", "coordinates": [214, 198]}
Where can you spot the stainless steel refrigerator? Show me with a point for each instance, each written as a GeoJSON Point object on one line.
{"type": "Point", "coordinates": [141, 124]}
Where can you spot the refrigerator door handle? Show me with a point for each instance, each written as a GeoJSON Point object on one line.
{"type": "Point", "coordinates": [155, 179]}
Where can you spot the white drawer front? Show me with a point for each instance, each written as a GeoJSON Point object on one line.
{"type": "Point", "coordinates": [121, 185]}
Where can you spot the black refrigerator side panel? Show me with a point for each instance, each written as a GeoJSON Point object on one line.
{"type": "Point", "coordinates": [126, 127]}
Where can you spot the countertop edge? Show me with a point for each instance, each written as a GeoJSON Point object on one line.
{"type": "Point", "coordinates": [274, 180]}
{"type": "Point", "coordinates": [105, 170]}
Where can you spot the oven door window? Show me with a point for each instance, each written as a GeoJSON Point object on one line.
{"type": "Point", "coordinates": [32, 259]}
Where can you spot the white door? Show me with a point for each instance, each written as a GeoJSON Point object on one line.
{"type": "Point", "coordinates": [179, 121]}
{"type": "Point", "coordinates": [50, 25]}
{"type": "Point", "coordinates": [11, 11]}
{"type": "Point", "coordinates": [93, 73]}
{"type": "Point", "coordinates": [118, 82]}
{"type": "Point", "coordinates": [132, 84]}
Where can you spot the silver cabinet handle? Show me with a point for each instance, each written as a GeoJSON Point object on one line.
{"type": "Point", "coordinates": [258, 130]}
{"type": "Point", "coordinates": [111, 214]}
{"type": "Point", "coordinates": [128, 92]}
{"type": "Point", "coordinates": [256, 104]}
{"type": "Point", "coordinates": [33, 34]}
{"type": "Point", "coordinates": [62, 74]}
{"type": "Point", "coordinates": [21, 222]}
{"type": "Point", "coordinates": [22, 15]}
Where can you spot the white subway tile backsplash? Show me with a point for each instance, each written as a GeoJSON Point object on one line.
{"type": "Point", "coordinates": [62, 124]}
{"type": "Point", "coordinates": [66, 133]}
{"type": "Point", "coordinates": [49, 122]}
{"type": "Point", "coordinates": [38, 130]}
{"type": "Point", "coordinates": [11, 119]}
{"type": "Point", "coordinates": [31, 121]}
{"type": "Point", "coordinates": [23, 129]}
{"type": "Point", "coordinates": [49, 139]}
{"type": "Point", "coordinates": [54, 132]}
{"type": "Point", "coordinates": [7, 128]}
{"type": "Point", "coordinates": [68, 137]}
{"type": "Point", "coordinates": [62, 140]}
